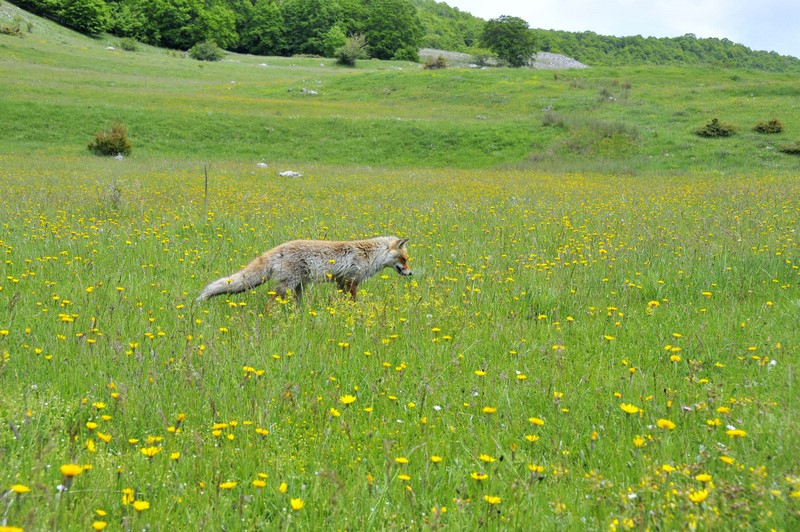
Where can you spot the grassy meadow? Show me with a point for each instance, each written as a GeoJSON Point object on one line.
{"type": "Point", "coordinates": [600, 333]}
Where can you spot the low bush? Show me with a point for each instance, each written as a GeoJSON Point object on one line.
{"type": "Point", "coordinates": [436, 64]}
{"type": "Point", "coordinates": [14, 27]}
{"type": "Point", "coordinates": [715, 129]}
{"type": "Point", "coordinates": [206, 51]}
{"type": "Point", "coordinates": [355, 48]}
{"type": "Point", "coordinates": [129, 44]}
{"type": "Point", "coordinates": [111, 142]}
{"type": "Point", "coordinates": [772, 127]}
{"type": "Point", "coordinates": [792, 148]}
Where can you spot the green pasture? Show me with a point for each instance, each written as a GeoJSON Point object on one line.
{"type": "Point", "coordinates": [540, 305]}
{"type": "Point", "coordinates": [600, 333]}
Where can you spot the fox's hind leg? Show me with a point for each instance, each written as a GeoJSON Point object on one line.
{"type": "Point", "coordinates": [281, 292]}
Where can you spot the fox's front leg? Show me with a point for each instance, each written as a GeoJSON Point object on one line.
{"type": "Point", "coordinates": [348, 287]}
{"type": "Point", "coordinates": [353, 288]}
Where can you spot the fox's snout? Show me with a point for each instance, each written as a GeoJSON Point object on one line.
{"type": "Point", "coordinates": [402, 270]}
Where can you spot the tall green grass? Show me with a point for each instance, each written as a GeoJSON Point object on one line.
{"type": "Point", "coordinates": [535, 299]}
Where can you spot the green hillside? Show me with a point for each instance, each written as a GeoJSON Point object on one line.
{"type": "Point", "coordinates": [61, 87]}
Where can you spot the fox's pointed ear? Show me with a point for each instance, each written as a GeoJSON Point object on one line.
{"type": "Point", "coordinates": [401, 243]}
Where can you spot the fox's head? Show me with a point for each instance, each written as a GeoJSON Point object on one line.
{"type": "Point", "coordinates": [398, 254]}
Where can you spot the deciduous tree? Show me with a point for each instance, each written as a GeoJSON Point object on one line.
{"type": "Point", "coordinates": [509, 38]}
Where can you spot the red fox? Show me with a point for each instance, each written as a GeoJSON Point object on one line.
{"type": "Point", "coordinates": [298, 263]}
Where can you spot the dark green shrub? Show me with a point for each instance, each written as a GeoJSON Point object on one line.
{"type": "Point", "coordinates": [407, 53]}
{"type": "Point", "coordinates": [355, 48]}
{"type": "Point", "coordinates": [792, 148]}
{"type": "Point", "coordinates": [436, 64]}
{"type": "Point", "coordinates": [715, 129]}
{"type": "Point", "coordinates": [129, 45]}
{"type": "Point", "coordinates": [206, 51]}
{"type": "Point", "coordinates": [772, 127]}
{"type": "Point", "coordinates": [111, 142]}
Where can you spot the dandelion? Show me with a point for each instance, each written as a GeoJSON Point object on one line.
{"type": "Point", "coordinates": [736, 433]}
{"type": "Point", "coordinates": [401, 460]}
{"type": "Point", "coordinates": [175, 456]}
{"type": "Point", "coordinates": [334, 412]}
{"type": "Point", "coordinates": [638, 441]}
{"type": "Point", "coordinates": [665, 424]}
{"type": "Point", "coordinates": [297, 504]}
{"type": "Point", "coordinates": [347, 399]}
{"type": "Point", "coordinates": [489, 410]}
{"type": "Point", "coordinates": [478, 476]}
{"type": "Point", "coordinates": [480, 373]}
{"type": "Point", "coordinates": [533, 438]}
{"type": "Point", "coordinates": [71, 470]}
{"type": "Point", "coordinates": [536, 421]}
{"type": "Point", "coordinates": [698, 496]}
{"type": "Point", "coordinates": [703, 477]}
{"type": "Point", "coordinates": [99, 525]}
{"type": "Point", "coordinates": [150, 452]}
{"type": "Point", "coordinates": [436, 459]}
{"type": "Point", "coordinates": [491, 499]}
{"type": "Point", "coordinates": [227, 485]}
{"type": "Point", "coordinates": [629, 408]}
{"type": "Point", "coordinates": [141, 506]}
{"type": "Point", "coordinates": [283, 487]}
{"type": "Point", "coordinates": [536, 468]}
{"type": "Point", "coordinates": [20, 488]}
{"type": "Point", "coordinates": [128, 496]}
{"type": "Point", "coordinates": [487, 458]}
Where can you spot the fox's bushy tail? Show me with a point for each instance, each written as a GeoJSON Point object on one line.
{"type": "Point", "coordinates": [244, 279]}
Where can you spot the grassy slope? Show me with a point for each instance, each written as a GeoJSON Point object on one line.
{"type": "Point", "coordinates": [60, 87]}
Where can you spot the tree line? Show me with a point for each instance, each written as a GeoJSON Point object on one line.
{"type": "Point", "coordinates": [391, 29]}
{"type": "Point", "coordinates": [262, 27]}
{"type": "Point", "coordinates": [593, 49]}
